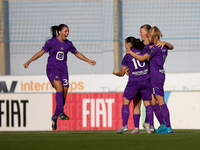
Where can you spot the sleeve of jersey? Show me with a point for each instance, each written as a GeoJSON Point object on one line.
{"type": "Point", "coordinates": [151, 52]}
{"type": "Point", "coordinates": [124, 61]}
{"type": "Point", "coordinates": [46, 46]}
{"type": "Point", "coordinates": [72, 49]}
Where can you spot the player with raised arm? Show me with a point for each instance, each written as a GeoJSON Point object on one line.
{"type": "Point", "coordinates": [57, 72]}
{"type": "Point", "coordinates": [157, 56]}
{"type": "Point", "coordinates": [138, 83]}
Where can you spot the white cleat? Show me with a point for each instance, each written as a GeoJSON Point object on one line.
{"type": "Point", "coordinates": [147, 127]}
{"type": "Point", "coordinates": [135, 131]}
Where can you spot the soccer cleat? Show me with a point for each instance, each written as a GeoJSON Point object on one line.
{"type": "Point", "coordinates": [135, 131]}
{"type": "Point", "coordinates": [146, 126]}
{"type": "Point", "coordinates": [161, 128]}
{"type": "Point", "coordinates": [167, 130]}
{"type": "Point", "coordinates": [54, 122]}
{"type": "Point", "coordinates": [63, 117]}
{"type": "Point", "coordinates": [122, 129]}
{"type": "Point", "coordinates": [152, 130]}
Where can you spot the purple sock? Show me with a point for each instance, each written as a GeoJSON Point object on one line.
{"type": "Point", "coordinates": [59, 105]}
{"type": "Point", "coordinates": [158, 113]}
{"type": "Point", "coordinates": [149, 114]}
{"type": "Point", "coordinates": [136, 118]}
{"type": "Point", "coordinates": [125, 114]}
{"type": "Point", "coordinates": [165, 112]}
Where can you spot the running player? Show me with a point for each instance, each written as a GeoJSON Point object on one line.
{"type": "Point", "coordinates": [157, 56]}
{"type": "Point", "coordinates": [57, 72]}
{"type": "Point", "coordinates": [138, 84]}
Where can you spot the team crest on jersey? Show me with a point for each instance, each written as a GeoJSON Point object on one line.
{"type": "Point", "coordinates": [150, 51]}
{"type": "Point", "coordinates": [61, 48]}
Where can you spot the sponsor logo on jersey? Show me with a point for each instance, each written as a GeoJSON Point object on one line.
{"type": "Point", "coordinates": [164, 50]}
{"type": "Point", "coordinates": [150, 51]}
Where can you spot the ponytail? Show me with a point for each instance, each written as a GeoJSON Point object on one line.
{"type": "Point", "coordinates": [136, 43]}
{"type": "Point", "coordinates": [53, 31]}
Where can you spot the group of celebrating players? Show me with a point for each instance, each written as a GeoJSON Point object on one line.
{"type": "Point", "coordinates": [143, 63]}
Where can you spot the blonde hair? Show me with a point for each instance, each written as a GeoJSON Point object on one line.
{"type": "Point", "coordinates": [155, 32]}
{"type": "Point", "coordinates": [147, 27]}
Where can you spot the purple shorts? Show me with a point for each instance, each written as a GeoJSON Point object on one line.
{"type": "Point", "coordinates": [54, 74]}
{"type": "Point", "coordinates": [157, 86]}
{"type": "Point", "coordinates": [142, 88]}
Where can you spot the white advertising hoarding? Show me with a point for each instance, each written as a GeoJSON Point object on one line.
{"type": "Point", "coordinates": [33, 111]}
{"type": "Point", "coordinates": [25, 112]}
{"type": "Point", "coordinates": [184, 110]}
{"type": "Point", "coordinates": [94, 83]}
{"type": "Point", "coordinates": [182, 82]}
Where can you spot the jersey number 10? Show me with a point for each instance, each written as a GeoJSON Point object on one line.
{"type": "Point", "coordinates": [137, 63]}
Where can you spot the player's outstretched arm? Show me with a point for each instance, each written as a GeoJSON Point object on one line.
{"type": "Point", "coordinates": [36, 56]}
{"type": "Point", "coordinates": [82, 57]}
{"type": "Point", "coordinates": [163, 43]}
{"type": "Point", "coordinates": [121, 73]}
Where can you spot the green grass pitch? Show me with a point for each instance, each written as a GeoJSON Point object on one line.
{"type": "Point", "coordinates": [98, 140]}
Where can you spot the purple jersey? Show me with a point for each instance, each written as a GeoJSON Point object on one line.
{"type": "Point", "coordinates": [147, 47]}
{"type": "Point", "coordinates": [157, 60]}
{"type": "Point", "coordinates": [58, 53]}
{"type": "Point", "coordinates": [137, 70]}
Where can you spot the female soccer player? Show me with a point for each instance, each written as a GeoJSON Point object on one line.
{"type": "Point", "coordinates": [138, 84]}
{"type": "Point", "coordinates": [58, 47]}
{"type": "Point", "coordinates": [144, 29]}
{"type": "Point", "coordinates": [157, 56]}
{"type": "Point", "coordinates": [144, 36]}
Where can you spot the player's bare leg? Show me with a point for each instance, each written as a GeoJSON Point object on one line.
{"type": "Point", "coordinates": [137, 103]}
{"type": "Point", "coordinates": [136, 114]}
{"type": "Point", "coordinates": [65, 91]}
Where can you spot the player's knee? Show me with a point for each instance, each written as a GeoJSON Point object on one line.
{"type": "Point", "coordinates": [147, 103]}
{"type": "Point", "coordinates": [125, 101]}
{"type": "Point", "coordinates": [59, 89]}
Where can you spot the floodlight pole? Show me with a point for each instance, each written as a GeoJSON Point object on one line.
{"type": "Point", "coordinates": [2, 40]}
{"type": "Point", "coordinates": [116, 36]}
